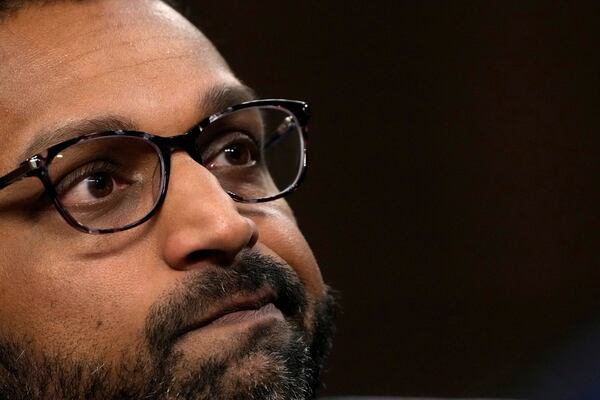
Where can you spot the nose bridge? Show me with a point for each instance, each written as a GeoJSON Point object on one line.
{"type": "Point", "coordinates": [185, 142]}
{"type": "Point", "coordinates": [199, 218]}
{"type": "Point", "coordinates": [190, 178]}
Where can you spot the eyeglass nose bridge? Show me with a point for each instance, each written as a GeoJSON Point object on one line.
{"type": "Point", "coordinates": [186, 142]}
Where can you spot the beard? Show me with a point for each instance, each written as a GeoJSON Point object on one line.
{"type": "Point", "coordinates": [276, 361]}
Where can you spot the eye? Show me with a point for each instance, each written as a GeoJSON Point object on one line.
{"type": "Point", "coordinates": [90, 184]}
{"type": "Point", "coordinates": [96, 186]}
{"type": "Point", "coordinates": [232, 150]}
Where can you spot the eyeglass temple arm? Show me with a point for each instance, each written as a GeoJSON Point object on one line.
{"type": "Point", "coordinates": [23, 171]}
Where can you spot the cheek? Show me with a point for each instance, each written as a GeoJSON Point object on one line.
{"type": "Point", "coordinates": [72, 304]}
{"type": "Point", "coordinates": [279, 234]}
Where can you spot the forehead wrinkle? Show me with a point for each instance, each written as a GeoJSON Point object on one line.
{"type": "Point", "coordinates": [132, 44]}
{"type": "Point", "coordinates": [129, 66]}
{"type": "Point", "coordinates": [70, 83]}
{"type": "Point", "coordinates": [59, 63]}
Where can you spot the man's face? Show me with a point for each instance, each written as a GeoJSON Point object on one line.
{"type": "Point", "coordinates": [128, 314]}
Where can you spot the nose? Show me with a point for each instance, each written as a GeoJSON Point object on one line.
{"type": "Point", "coordinates": [199, 222]}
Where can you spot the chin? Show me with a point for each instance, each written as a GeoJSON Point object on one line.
{"type": "Point", "coordinates": [267, 361]}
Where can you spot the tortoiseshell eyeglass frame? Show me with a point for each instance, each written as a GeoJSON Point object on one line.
{"type": "Point", "coordinates": [37, 165]}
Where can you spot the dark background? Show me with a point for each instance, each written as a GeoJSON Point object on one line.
{"type": "Point", "coordinates": [452, 194]}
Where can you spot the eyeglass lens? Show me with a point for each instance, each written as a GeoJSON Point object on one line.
{"type": "Point", "coordinates": [110, 182]}
{"type": "Point", "coordinates": [107, 182]}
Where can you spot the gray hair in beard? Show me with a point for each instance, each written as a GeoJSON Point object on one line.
{"type": "Point", "coordinates": [148, 373]}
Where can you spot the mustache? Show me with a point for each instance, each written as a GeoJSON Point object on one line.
{"type": "Point", "coordinates": [197, 295]}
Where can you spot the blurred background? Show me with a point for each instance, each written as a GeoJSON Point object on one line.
{"type": "Point", "coordinates": [452, 194]}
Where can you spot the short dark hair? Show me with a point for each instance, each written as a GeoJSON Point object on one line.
{"type": "Point", "coordinates": [9, 7]}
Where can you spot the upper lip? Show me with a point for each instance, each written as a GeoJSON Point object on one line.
{"type": "Point", "coordinates": [238, 302]}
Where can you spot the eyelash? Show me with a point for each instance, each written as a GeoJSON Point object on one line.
{"type": "Point", "coordinates": [70, 179]}
{"type": "Point", "coordinates": [223, 140]}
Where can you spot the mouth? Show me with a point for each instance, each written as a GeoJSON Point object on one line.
{"type": "Point", "coordinates": [241, 309]}
{"type": "Point", "coordinates": [248, 315]}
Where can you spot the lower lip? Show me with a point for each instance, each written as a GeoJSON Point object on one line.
{"type": "Point", "coordinates": [265, 313]}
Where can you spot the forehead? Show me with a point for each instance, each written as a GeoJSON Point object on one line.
{"type": "Point", "coordinates": [67, 61]}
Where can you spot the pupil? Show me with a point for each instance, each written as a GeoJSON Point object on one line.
{"type": "Point", "coordinates": [235, 154]}
{"type": "Point", "coordinates": [100, 185]}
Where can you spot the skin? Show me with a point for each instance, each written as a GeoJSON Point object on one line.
{"type": "Point", "coordinates": [87, 296]}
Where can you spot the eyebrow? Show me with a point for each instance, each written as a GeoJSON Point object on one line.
{"type": "Point", "coordinates": [216, 99]}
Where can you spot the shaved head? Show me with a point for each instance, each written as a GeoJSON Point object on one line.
{"type": "Point", "coordinates": [9, 7]}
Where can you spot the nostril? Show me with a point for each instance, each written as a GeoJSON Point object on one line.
{"type": "Point", "coordinates": [217, 257]}
{"type": "Point", "coordinates": [253, 238]}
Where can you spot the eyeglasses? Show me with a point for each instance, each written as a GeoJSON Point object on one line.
{"type": "Point", "coordinates": [113, 181]}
